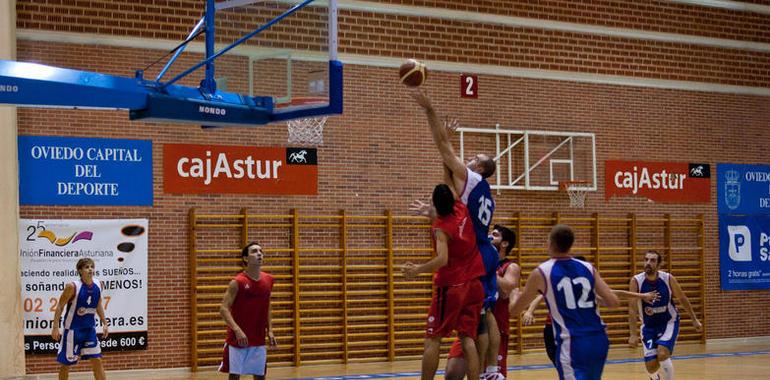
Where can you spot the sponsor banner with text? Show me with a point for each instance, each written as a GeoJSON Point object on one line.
{"type": "Point", "coordinates": [84, 171]}
{"type": "Point", "coordinates": [666, 182]}
{"type": "Point", "coordinates": [743, 189]}
{"type": "Point", "coordinates": [50, 250]}
{"type": "Point", "coordinates": [744, 251]}
{"type": "Point", "coordinates": [213, 169]}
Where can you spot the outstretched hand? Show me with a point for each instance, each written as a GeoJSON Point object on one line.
{"type": "Point", "coordinates": [527, 318]}
{"type": "Point", "coordinates": [410, 270]}
{"type": "Point", "coordinates": [419, 208]}
{"type": "Point", "coordinates": [651, 297]}
{"type": "Point", "coordinates": [451, 124]}
{"type": "Point", "coordinates": [421, 97]}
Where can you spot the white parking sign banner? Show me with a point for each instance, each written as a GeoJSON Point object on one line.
{"type": "Point", "coordinates": [50, 250]}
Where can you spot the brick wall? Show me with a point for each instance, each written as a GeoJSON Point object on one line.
{"type": "Point", "coordinates": [379, 155]}
{"type": "Point", "coordinates": [461, 41]}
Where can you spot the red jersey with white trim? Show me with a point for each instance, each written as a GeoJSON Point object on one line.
{"type": "Point", "coordinates": [464, 262]}
{"type": "Point", "coordinates": [249, 309]}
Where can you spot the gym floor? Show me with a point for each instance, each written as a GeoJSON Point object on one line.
{"type": "Point", "coordinates": [730, 359]}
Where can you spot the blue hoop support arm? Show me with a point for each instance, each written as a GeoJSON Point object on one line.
{"type": "Point", "coordinates": [35, 85]}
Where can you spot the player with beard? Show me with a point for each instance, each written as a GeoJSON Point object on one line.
{"type": "Point", "coordinates": [660, 318]}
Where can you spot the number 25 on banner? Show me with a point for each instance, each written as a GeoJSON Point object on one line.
{"type": "Point", "coordinates": [469, 86]}
{"type": "Point", "coordinates": [35, 305]}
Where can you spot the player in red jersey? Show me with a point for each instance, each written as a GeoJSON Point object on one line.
{"type": "Point", "coordinates": [247, 312]}
{"type": "Point", "coordinates": [508, 274]}
{"type": "Point", "coordinates": [458, 296]}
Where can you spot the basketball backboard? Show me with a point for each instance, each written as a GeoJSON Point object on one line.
{"type": "Point", "coordinates": [533, 160]}
{"type": "Point", "coordinates": [242, 83]}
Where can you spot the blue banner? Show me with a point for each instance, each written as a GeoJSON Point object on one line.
{"type": "Point", "coordinates": [744, 251]}
{"type": "Point", "coordinates": [84, 171]}
{"type": "Point", "coordinates": [743, 189]}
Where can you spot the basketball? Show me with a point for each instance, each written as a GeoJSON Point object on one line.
{"type": "Point", "coordinates": [413, 73]}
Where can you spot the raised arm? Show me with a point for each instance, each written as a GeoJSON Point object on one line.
{"type": "Point", "coordinates": [224, 311]}
{"type": "Point", "coordinates": [679, 294]}
{"type": "Point", "coordinates": [633, 315]}
{"type": "Point", "coordinates": [441, 138]}
{"type": "Point", "coordinates": [411, 270]}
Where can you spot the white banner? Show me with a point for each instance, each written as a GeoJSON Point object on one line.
{"type": "Point", "coordinates": [50, 250]}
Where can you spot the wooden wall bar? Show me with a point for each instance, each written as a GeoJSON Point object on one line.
{"type": "Point", "coordinates": [339, 295]}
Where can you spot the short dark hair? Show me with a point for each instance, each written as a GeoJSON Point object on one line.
{"type": "Point", "coordinates": [563, 237]}
{"type": "Point", "coordinates": [245, 250]}
{"type": "Point", "coordinates": [443, 199]}
{"type": "Point", "coordinates": [83, 262]}
{"type": "Point", "coordinates": [506, 235]}
{"type": "Point", "coordinates": [660, 257]}
{"type": "Point", "coordinates": [488, 167]}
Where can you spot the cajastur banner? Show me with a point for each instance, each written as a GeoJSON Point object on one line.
{"type": "Point", "coordinates": [214, 169]}
{"type": "Point", "coordinates": [667, 182]}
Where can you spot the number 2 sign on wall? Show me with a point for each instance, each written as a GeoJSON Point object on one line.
{"type": "Point", "coordinates": [469, 86]}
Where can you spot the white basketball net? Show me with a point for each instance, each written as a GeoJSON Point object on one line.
{"type": "Point", "coordinates": [577, 194]}
{"type": "Point", "coordinates": [307, 131]}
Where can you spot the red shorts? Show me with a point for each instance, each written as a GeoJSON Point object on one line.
{"type": "Point", "coordinates": [502, 355]}
{"type": "Point", "coordinates": [456, 352]}
{"type": "Point", "coordinates": [457, 308]}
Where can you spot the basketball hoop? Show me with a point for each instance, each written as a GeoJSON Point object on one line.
{"type": "Point", "coordinates": [577, 191]}
{"type": "Point", "coordinates": [307, 130]}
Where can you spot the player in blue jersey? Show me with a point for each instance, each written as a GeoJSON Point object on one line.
{"type": "Point", "coordinates": [83, 299]}
{"type": "Point", "coordinates": [468, 180]}
{"type": "Point", "coordinates": [548, 339]}
{"type": "Point", "coordinates": [571, 289]}
{"type": "Point", "coordinates": [660, 319]}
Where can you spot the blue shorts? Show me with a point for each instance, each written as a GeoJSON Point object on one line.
{"type": "Point", "coordinates": [654, 336]}
{"type": "Point", "coordinates": [582, 357]}
{"type": "Point", "coordinates": [489, 281]}
{"type": "Point", "coordinates": [78, 344]}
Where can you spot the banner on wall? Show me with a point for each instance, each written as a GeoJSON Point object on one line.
{"type": "Point", "coordinates": [743, 203]}
{"type": "Point", "coordinates": [668, 182]}
{"type": "Point", "coordinates": [744, 251]}
{"type": "Point", "coordinates": [84, 171]}
{"type": "Point", "coordinates": [743, 189]}
{"type": "Point", "coordinates": [49, 251]}
{"type": "Point", "coordinates": [212, 169]}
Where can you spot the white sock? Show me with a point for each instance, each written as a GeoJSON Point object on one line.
{"type": "Point", "coordinates": [654, 376]}
{"type": "Point", "coordinates": [667, 369]}
{"type": "Point", "coordinates": [492, 369]}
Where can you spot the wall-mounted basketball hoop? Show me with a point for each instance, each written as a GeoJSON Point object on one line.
{"type": "Point", "coordinates": [577, 191]}
{"type": "Point", "coordinates": [307, 130]}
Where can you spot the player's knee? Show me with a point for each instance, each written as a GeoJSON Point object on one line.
{"type": "Point", "coordinates": [432, 343]}
{"type": "Point", "coordinates": [455, 369]}
{"type": "Point", "coordinates": [652, 366]}
{"type": "Point", "coordinates": [663, 354]}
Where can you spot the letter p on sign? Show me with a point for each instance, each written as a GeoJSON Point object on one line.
{"type": "Point", "coordinates": [740, 243]}
{"type": "Point", "coordinates": [469, 86]}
